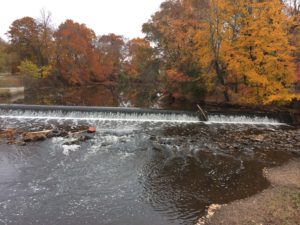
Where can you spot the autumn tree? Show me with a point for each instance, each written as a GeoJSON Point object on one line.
{"type": "Point", "coordinates": [141, 62]}
{"type": "Point", "coordinates": [172, 30]}
{"type": "Point", "coordinates": [76, 60]}
{"type": "Point", "coordinates": [3, 56]}
{"type": "Point", "coordinates": [23, 36]}
{"type": "Point", "coordinates": [261, 54]}
{"type": "Point", "coordinates": [293, 11]}
{"type": "Point", "coordinates": [30, 69]}
{"type": "Point", "coordinates": [110, 51]}
{"type": "Point", "coordinates": [32, 39]}
{"type": "Point", "coordinates": [46, 39]}
{"type": "Point", "coordinates": [246, 45]}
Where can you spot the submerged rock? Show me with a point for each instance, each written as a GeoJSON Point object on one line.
{"type": "Point", "coordinates": [14, 142]}
{"type": "Point", "coordinates": [79, 136]}
{"type": "Point", "coordinates": [18, 137]}
{"type": "Point", "coordinates": [9, 133]}
{"type": "Point", "coordinates": [57, 133]}
{"type": "Point", "coordinates": [36, 136]}
{"type": "Point", "coordinates": [258, 138]}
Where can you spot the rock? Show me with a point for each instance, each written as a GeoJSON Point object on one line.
{"type": "Point", "coordinates": [21, 143]}
{"type": "Point", "coordinates": [91, 130]}
{"type": "Point", "coordinates": [158, 147]}
{"type": "Point", "coordinates": [8, 133]}
{"type": "Point", "coordinates": [14, 142]}
{"type": "Point", "coordinates": [36, 136]}
{"type": "Point", "coordinates": [57, 133]}
{"type": "Point", "coordinates": [210, 212]}
{"type": "Point", "coordinates": [74, 142]}
{"type": "Point", "coordinates": [152, 138]}
{"type": "Point", "coordinates": [258, 137]}
{"type": "Point", "coordinates": [85, 138]}
{"type": "Point", "coordinates": [79, 138]}
{"type": "Point", "coordinates": [77, 134]}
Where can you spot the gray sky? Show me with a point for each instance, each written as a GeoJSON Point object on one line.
{"type": "Point", "coordinates": [123, 17]}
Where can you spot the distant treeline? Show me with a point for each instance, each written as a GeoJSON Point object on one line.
{"type": "Point", "coordinates": [244, 51]}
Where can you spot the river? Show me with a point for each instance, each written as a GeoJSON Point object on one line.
{"type": "Point", "coordinates": [136, 172]}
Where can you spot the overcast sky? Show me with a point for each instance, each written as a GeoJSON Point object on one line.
{"type": "Point", "coordinates": [123, 17]}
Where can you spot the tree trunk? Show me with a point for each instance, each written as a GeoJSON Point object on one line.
{"type": "Point", "coordinates": [221, 80]}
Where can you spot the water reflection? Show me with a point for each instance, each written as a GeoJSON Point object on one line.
{"type": "Point", "coordinates": [99, 95]}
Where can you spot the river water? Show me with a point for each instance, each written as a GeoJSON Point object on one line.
{"type": "Point", "coordinates": [139, 171]}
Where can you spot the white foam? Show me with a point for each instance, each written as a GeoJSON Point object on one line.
{"type": "Point", "coordinates": [70, 148]}
{"type": "Point", "coordinates": [61, 116]}
{"type": "Point", "coordinates": [227, 119]}
{"type": "Point", "coordinates": [99, 116]}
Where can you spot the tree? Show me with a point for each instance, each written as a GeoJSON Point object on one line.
{"type": "Point", "coordinates": [32, 39]}
{"type": "Point", "coordinates": [76, 60]}
{"type": "Point", "coordinates": [23, 36]}
{"type": "Point", "coordinates": [172, 30]}
{"type": "Point", "coordinates": [293, 9]}
{"type": "Point", "coordinates": [3, 56]}
{"type": "Point", "coordinates": [28, 68]}
{"type": "Point", "coordinates": [219, 31]}
{"type": "Point", "coordinates": [262, 54]}
{"type": "Point", "coordinates": [247, 45]}
{"type": "Point", "coordinates": [46, 40]}
{"type": "Point", "coordinates": [141, 61]}
{"type": "Point", "coordinates": [110, 50]}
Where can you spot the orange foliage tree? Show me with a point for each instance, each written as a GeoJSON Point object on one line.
{"type": "Point", "coordinates": [140, 62]}
{"type": "Point", "coordinates": [244, 50]}
{"type": "Point", "coordinates": [172, 29]}
{"type": "Point", "coordinates": [32, 39]}
{"type": "Point", "coordinates": [76, 60]}
{"type": "Point", "coordinates": [23, 35]}
{"type": "Point", "coordinates": [110, 50]}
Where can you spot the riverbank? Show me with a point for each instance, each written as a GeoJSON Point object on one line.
{"type": "Point", "coordinates": [279, 204]}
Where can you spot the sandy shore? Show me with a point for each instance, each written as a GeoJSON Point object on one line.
{"type": "Point", "coordinates": [277, 205]}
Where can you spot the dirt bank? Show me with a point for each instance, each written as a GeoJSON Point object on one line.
{"type": "Point", "coordinates": [279, 204]}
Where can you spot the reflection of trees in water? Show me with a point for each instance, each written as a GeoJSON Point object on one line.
{"type": "Point", "coordinates": [87, 95]}
{"type": "Point", "coordinates": [91, 96]}
{"type": "Point", "coordinates": [100, 95]}
{"type": "Point", "coordinates": [131, 95]}
{"type": "Point", "coordinates": [181, 181]}
{"type": "Point", "coordinates": [137, 95]}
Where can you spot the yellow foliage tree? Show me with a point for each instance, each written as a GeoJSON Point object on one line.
{"type": "Point", "coordinates": [244, 46]}
{"type": "Point", "coordinates": [28, 68]}
{"type": "Point", "coordinates": [261, 55]}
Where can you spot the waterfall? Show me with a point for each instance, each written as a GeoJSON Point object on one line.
{"type": "Point", "coordinates": [27, 112]}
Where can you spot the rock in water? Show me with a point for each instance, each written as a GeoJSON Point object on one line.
{"type": "Point", "coordinates": [36, 136]}
{"type": "Point", "coordinates": [91, 130]}
{"type": "Point", "coordinates": [8, 133]}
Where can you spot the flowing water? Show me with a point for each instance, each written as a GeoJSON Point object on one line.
{"type": "Point", "coordinates": [138, 168]}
